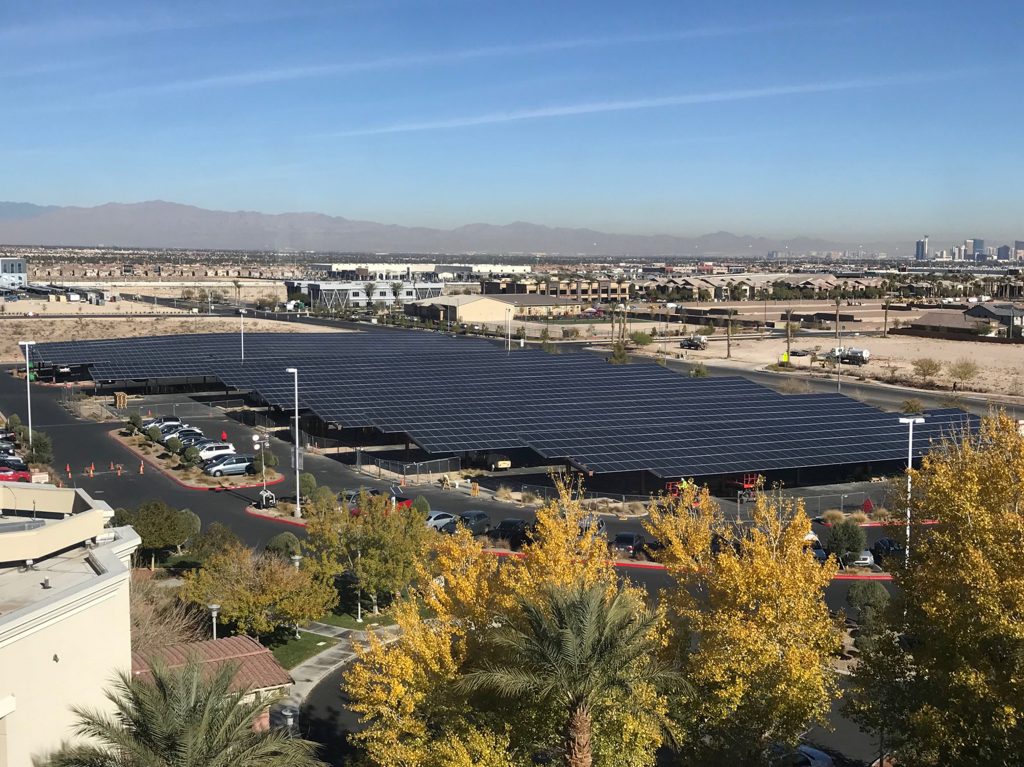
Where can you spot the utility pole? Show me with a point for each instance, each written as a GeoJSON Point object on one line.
{"type": "Point", "coordinates": [837, 317]}
{"type": "Point", "coordinates": [885, 321]}
{"type": "Point", "coordinates": [789, 330]}
{"type": "Point", "coordinates": [728, 336]}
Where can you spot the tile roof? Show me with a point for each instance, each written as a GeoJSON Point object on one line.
{"type": "Point", "coordinates": [257, 667]}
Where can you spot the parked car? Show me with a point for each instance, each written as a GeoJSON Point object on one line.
{"type": "Point", "coordinates": [351, 497]}
{"type": "Point", "coordinates": [886, 548]}
{"type": "Point", "coordinates": [188, 431]}
{"type": "Point", "coordinates": [477, 522]}
{"type": "Point", "coordinates": [215, 449]}
{"type": "Point", "coordinates": [6, 448]}
{"type": "Point", "coordinates": [515, 531]}
{"type": "Point", "coordinates": [592, 522]}
{"type": "Point", "coordinates": [195, 441]}
{"type": "Point", "coordinates": [820, 555]}
{"type": "Point", "coordinates": [161, 421]}
{"type": "Point", "coordinates": [801, 756]}
{"type": "Point", "coordinates": [231, 465]}
{"type": "Point", "coordinates": [8, 436]}
{"type": "Point", "coordinates": [799, 353]}
{"type": "Point", "coordinates": [694, 342]}
{"type": "Point", "coordinates": [217, 459]}
{"type": "Point", "coordinates": [173, 426]}
{"type": "Point", "coordinates": [864, 559]}
{"type": "Point", "coordinates": [438, 519]}
{"type": "Point", "coordinates": [631, 545]}
{"type": "Point", "coordinates": [13, 462]}
{"type": "Point", "coordinates": [7, 474]}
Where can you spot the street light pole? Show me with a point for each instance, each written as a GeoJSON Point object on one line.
{"type": "Point", "coordinates": [214, 609]}
{"type": "Point", "coordinates": [910, 463]}
{"type": "Point", "coordinates": [298, 493]}
{"type": "Point", "coordinates": [508, 330]}
{"type": "Point", "coordinates": [241, 317]}
{"type": "Point", "coordinates": [28, 386]}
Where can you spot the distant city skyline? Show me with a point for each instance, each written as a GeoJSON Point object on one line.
{"type": "Point", "coordinates": [788, 120]}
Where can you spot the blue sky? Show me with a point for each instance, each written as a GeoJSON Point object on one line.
{"type": "Point", "coordinates": [857, 121]}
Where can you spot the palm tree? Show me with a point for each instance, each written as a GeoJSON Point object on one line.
{"type": "Point", "coordinates": [182, 718]}
{"type": "Point", "coordinates": [578, 647]}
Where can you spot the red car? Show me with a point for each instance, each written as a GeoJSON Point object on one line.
{"type": "Point", "coordinates": [8, 474]}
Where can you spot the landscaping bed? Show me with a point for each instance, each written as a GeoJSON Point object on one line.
{"type": "Point", "coordinates": [171, 465]}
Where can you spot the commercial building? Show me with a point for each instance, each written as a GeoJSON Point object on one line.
{"type": "Point", "coordinates": [363, 293]}
{"type": "Point", "coordinates": [979, 246]}
{"type": "Point", "coordinates": [64, 614]}
{"type": "Point", "coordinates": [581, 289]}
{"type": "Point", "coordinates": [921, 249]}
{"type": "Point", "coordinates": [1003, 253]}
{"type": "Point", "coordinates": [1018, 248]}
{"type": "Point", "coordinates": [13, 272]}
{"type": "Point", "coordinates": [1007, 315]}
{"type": "Point", "coordinates": [491, 309]}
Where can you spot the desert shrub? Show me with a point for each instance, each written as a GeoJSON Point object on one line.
{"type": "Point", "coordinates": [153, 433]}
{"type": "Point", "coordinates": [859, 517]}
{"type": "Point", "coordinates": [700, 370]}
{"type": "Point", "coordinates": [528, 497]}
{"type": "Point", "coordinates": [912, 406]}
{"type": "Point", "coordinates": [283, 545]}
{"type": "Point", "coordinates": [881, 514]}
{"type": "Point", "coordinates": [636, 508]}
{"type": "Point", "coordinates": [134, 424]}
{"type": "Point", "coordinates": [832, 516]}
{"type": "Point", "coordinates": [503, 493]}
{"type": "Point", "coordinates": [174, 445]}
{"type": "Point", "coordinates": [926, 367]}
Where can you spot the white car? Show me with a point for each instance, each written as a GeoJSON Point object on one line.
{"type": "Point", "coordinates": [864, 559]}
{"type": "Point", "coordinates": [439, 519]}
{"type": "Point", "coordinates": [206, 452]}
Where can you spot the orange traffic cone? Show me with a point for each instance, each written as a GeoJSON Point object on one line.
{"type": "Point", "coordinates": [90, 472]}
{"type": "Point", "coordinates": [111, 465]}
{"type": "Point", "coordinates": [92, 468]}
{"type": "Point", "coordinates": [119, 470]}
{"type": "Point", "coordinates": [142, 467]}
{"type": "Point", "coordinates": [67, 468]}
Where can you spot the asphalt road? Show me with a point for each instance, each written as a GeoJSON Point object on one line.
{"type": "Point", "coordinates": [80, 442]}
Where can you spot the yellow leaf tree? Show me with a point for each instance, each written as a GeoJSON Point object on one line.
{"type": "Point", "coordinates": [406, 692]}
{"type": "Point", "coordinates": [947, 684]}
{"type": "Point", "coordinates": [257, 592]}
{"type": "Point", "coordinates": [755, 635]}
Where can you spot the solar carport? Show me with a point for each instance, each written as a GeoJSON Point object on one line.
{"type": "Point", "coordinates": [638, 424]}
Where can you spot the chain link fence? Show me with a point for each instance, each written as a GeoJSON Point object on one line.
{"type": "Point", "coordinates": [546, 492]}
{"type": "Point", "coordinates": [410, 472]}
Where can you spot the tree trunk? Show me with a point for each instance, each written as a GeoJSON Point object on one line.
{"type": "Point", "coordinates": [373, 599]}
{"type": "Point", "coordinates": [578, 751]}
{"type": "Point", "coordinates": [152, 560]}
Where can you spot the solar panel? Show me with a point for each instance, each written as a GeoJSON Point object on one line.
{"type": "Point", "coordinates": [451, 395]}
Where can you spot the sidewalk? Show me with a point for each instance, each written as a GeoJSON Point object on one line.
{"type": "Point", "coordinates": [311, 672]}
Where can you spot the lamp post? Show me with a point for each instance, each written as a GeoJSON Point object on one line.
{"type": "Point", "coordinates": [508, 329]}
{"type": "Point", "coordinates": [214, 610]}
{"type": "Point", "coordinates": [298, 493]}
{"type": "Point", "coordinates": [910, 463]}
{"type": "Point", "coordinates": [28, 387]}
{"type": "Point", "coordinates": [241, 319]}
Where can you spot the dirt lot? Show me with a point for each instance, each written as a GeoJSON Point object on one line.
{"type": "Point", "coordinates": [1000, 366]}
{"type": "Point", "coordinates": [44, 308]}
{"type": "Point", "coordinates": [44, 329]}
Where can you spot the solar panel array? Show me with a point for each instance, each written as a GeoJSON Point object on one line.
{"type": "Point", "coordinates": [453, 395]}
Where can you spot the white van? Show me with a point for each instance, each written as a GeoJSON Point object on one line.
{"type": "Point", "coordinates": [216, 449]}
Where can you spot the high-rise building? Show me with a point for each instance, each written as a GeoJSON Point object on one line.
{"type": "Point", "coordinates": [1003, 253]}
{"type": "Point", "coordinates": [921, 249]}
{"type": "Point", "coordinates": [1018, 248]}
{"type": "Point", "coordinates": [979, 246]}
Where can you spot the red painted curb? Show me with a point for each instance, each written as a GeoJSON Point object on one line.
{"type": "Point", "coordinates": [283, 520]}
{"type": "Point", "coordinates": [159, 468]}
{"type": "Point", "coordinates": [615, 563]}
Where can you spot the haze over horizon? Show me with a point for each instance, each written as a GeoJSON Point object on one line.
{"type": "Point", "coordinates": [783, 121]}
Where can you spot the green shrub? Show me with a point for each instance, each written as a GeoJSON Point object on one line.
{"type": "Point", "coordinates": [284, 545]}
{"type": "Point", "coordinates": [134, 424]}
{"type": "Point", "coordinates": [421, 505]}
{"type": "Point", "coordinates": [307, 484]}
{"type": "Point", "coordinates": [174, 445]}
{"type": "Point", "coordinates": [42, 449]}
{"type": "Point", "coordinates": [191, 455]}
{"type": "Point", "coordinates": [153, 434]}
{"type": "Point", "coordinates": [845, 539]}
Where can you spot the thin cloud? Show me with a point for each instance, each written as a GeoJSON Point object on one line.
{"type": "Point", "coordinates": [569, 110]}
{"type": "Point", "coordinates": [272, 75]}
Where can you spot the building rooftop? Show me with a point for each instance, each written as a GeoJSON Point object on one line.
{"type": "Point", "coordinates": [532, 299]}
{"type": "Point", "coordinates": [257, 667]}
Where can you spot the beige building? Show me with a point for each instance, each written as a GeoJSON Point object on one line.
{"type": "Point", "coordinates": [64, 613]}
{"type": "Point", "coordinates": [466, 309]}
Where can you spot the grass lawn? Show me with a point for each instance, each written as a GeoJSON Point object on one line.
{"type": "Point", "coordinates": [291, 652]}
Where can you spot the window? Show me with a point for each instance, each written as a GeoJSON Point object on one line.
{"type": "Point", "coordinates": [408, 294]}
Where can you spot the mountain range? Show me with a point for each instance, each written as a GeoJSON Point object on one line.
{"type": "Point", "coordinates": [159, 224]}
